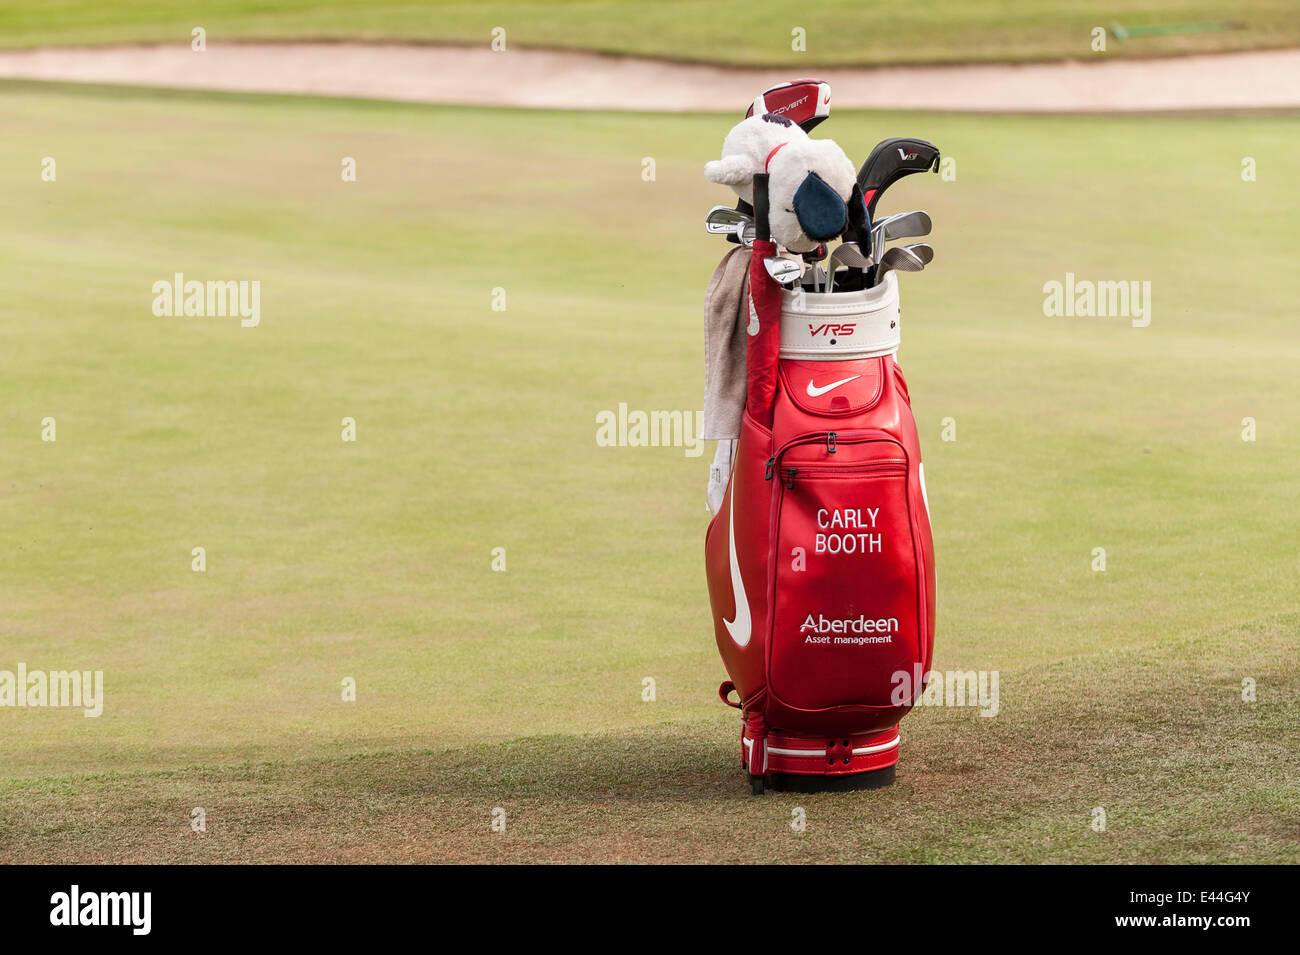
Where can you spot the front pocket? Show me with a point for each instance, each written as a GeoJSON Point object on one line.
{"type": "Point", "coordinates": [847, 599]}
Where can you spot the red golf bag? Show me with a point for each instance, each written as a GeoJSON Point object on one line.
{"type": "Point", "coordinates": [820, 561]}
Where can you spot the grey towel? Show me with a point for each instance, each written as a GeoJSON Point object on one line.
{"type": "Point", "coordinates": [725, 317]}
{"type": "Point", "coordinates": [719, 475]}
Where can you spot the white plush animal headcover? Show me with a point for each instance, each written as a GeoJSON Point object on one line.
{"type": "Point", "coordinates": [810, 180]}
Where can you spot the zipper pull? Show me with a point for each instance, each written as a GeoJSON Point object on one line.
{"type": "Point", "coordinates": [830, 442]}
{"type": "Point", "coordinates": [789, 477]}
{"type": "Point", "coordinates": [771, 464]}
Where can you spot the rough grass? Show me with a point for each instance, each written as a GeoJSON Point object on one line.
{"type": "Point", "coordinates": [1160, 739]}
{"type": "Point", "coordinates": [757, 32]}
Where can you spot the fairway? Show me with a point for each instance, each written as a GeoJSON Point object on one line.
{"type": "Point", "coordinates": [372, 560]}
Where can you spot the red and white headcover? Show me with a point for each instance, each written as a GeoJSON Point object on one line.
{"type": "Point", "coordinates": [806, 102]}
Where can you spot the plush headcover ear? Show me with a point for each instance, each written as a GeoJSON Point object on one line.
{"type": "Point", "coordinates": [822, 213]}
{"type": "Point", "coordinates": [859, 229]}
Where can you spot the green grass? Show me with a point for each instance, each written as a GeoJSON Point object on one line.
{"type": "Point", "coordinates": [476, 430]}
{"type": "Point", "coordinates": [730, 31]}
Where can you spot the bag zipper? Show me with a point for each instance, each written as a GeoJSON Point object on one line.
{"type": "Point", "coordinates": [832, 439]}
{"type": "Point", "coordinates": [816, 471]}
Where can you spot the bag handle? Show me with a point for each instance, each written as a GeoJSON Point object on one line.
{"type": "Point", "coordinates": [724, 691]}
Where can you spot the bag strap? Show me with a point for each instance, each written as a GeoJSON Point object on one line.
{"type": "Point", "coordinates": [724, 691]}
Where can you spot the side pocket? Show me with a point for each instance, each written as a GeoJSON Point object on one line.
{"type": "Point", "coordinates": [848, 612]}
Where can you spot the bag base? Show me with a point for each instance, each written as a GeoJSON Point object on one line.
{"type": "Point", "coordinates": [767, 753]}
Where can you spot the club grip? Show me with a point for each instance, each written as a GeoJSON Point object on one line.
{"type": "Point", "coordinates": [762, 231]}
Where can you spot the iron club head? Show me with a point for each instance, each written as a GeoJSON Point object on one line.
{"type": "Point", "coordinates": [724, 220]}
{"type": "Point", "coordinates": [922, 250]}
{"type": "Point", "coordinates": [903, 225]}
{"type": "Point", "coordinates": [904, 258]}
{"type": "Point", "coordinates": [784, 271]}
{"type": "Point", "coordinates": [850, 254]}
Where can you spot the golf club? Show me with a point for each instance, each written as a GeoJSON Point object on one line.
{"type": "Point", "coordinates": [784, 271]}
{"type": "Point", "coordinates": [819, 277]}
{"type": "Point", "coordinates": [890, 161]}
{"type": "Point", "coordinates": [736, 226]}
{"type": "Point", "coordinates": [850, 255]}
{"type": "Point", "coordinates": [902, 225]}
{"type": "Point", "coordinates": [812, 257]}
{"type": "Point", "coordinates": [724, 220]}
{"type": "Point", "coordinates": [922, 250]}
{"type": "Point", "coordinates": [806, 102]}
{"type": "Point", "coordinates": [904, 258]}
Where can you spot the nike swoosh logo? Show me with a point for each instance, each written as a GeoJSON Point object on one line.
{"type": "Point", "coordinates": [815, 392]}
{"type": "Point", "coordinates": [740, 627]}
